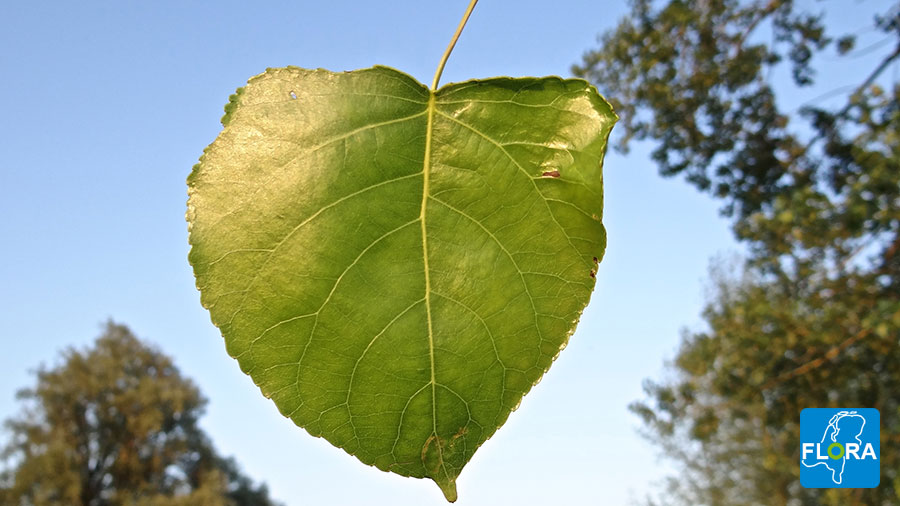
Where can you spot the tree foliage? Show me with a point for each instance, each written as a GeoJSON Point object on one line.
{"type": "Point", "coordinates": [814, 317]}
{"type": "Point", "coordinates": [116, 424]}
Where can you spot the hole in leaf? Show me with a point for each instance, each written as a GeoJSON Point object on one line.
{"type": "Point", "coordinates": [293, 96]}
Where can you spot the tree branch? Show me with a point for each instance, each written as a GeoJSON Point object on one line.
{"type": "Point", "coordinates": [869, 80]}
{"type": "Point", "coordinates": [764, 13]}
{"type": "Point", "coordinates": [859, 89]}
{"type": "Point", "coordinates": [815, 364]}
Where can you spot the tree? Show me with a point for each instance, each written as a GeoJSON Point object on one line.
{"type": "Point", "coordinates": [116, 424]}
{"type": "Point", "coordinates": [813, 318]}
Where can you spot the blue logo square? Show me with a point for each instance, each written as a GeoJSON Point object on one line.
{"type": "Point", "coordinates": [840, 448]}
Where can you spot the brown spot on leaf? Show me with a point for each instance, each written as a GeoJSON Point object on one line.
{"type": "Point", "coordinates": [551, 173]}
{"type": "Point", "coordinates": [427, 444]}
{"type": "Point", "coordinates": [460, 433]}
{"type": "Point", "coordinates": [593, 274]}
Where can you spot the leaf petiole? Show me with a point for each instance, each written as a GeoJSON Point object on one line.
{"type": "Point", "coordinates": [459, 29]}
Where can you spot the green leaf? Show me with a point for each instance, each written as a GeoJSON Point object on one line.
{"type": "Point", "coordinates": [396, 268]}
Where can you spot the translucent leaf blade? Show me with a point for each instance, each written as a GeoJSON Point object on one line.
{"type": "Point", "coordinates": [313, 217]}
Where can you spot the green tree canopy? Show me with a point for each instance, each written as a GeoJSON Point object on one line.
{"type": "Point", "coordinates": [813, 319]}
{"type": "Point", "coordinates": [116, 424]}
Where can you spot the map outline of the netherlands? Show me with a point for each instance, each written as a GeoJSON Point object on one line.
{"type": "Point", "coordinates": [848, 447]}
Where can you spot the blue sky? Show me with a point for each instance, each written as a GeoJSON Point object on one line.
{"type": "Point", "coordinates": [106, 106]}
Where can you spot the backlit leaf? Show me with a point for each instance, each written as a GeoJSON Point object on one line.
{"type": "Point", "coordinates": [396, 268]}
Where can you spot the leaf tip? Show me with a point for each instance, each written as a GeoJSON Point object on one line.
{"type": "Point", "coordinates": [448, 487]}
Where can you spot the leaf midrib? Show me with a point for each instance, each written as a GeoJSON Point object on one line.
{"type": "Point", "coordinates": [426, 169]}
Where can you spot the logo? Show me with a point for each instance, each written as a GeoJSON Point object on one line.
{"type": "Point", "coordinates": [840, 448]}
